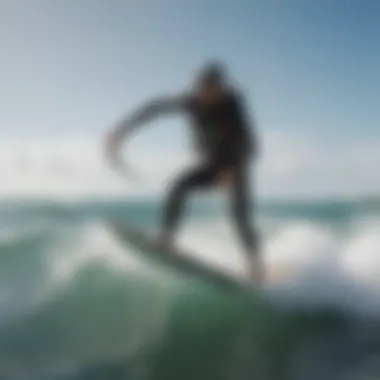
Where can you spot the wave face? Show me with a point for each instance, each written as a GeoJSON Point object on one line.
{"type": "Point", "coordinates": [77, 304]}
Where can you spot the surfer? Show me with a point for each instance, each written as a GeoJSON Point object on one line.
{"type": "Point", "coordinates": [226, 143]}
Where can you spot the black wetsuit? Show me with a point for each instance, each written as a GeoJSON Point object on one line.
{"type": "Point", "coordinates": [225, 141]}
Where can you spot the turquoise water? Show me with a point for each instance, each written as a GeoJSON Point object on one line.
{"type": "Point", "coordinates": [76, 304]}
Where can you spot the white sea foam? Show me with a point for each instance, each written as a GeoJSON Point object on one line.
{"type": "Point", "coordinates": [306, 264]}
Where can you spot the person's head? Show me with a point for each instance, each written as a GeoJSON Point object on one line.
{"type": "Point", "coordinates": [211, 81]}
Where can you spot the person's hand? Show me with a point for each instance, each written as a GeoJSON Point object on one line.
{"type": "Point", "coordinates": [113, 143]}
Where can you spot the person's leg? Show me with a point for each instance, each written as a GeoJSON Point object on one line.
{"type": "Point", "coordinates": [196, 178]}
{"type": "Point", "coordinates": [242, 203]}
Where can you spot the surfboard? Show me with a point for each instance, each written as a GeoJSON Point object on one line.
{"type": "Point", "coordinates": [176, 258]}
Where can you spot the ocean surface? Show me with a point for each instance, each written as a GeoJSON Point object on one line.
{"type": "Point", "coordinates": [77, 304]}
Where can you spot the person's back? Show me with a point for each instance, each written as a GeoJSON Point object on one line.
{"type": "Point", "coordinates": [221, 126]}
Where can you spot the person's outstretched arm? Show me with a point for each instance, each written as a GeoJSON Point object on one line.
{"type": "Point", "coordinates": [141, 116]}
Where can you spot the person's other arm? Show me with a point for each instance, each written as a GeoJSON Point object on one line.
{"type": "Point", "coordinates": [149, 111]}
{"type": "Point", "coordinates": [247, 123]}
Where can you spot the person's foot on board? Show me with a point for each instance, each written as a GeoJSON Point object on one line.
{"type": "Point", "coordinates": [163, 241]}
{"type": "Point", "coordinates": [256, 271]}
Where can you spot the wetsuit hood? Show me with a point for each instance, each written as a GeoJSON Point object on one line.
{"type": "Point", "coordinates": [212, 72]}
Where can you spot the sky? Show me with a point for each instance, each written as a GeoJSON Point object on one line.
{"type": "Point", "coordinates": [71, 68]}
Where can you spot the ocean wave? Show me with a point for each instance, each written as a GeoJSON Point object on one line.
{"type": "Point", "coordinates": [313, 262]}
{"type": "Point", "coordinates": [81, 304]}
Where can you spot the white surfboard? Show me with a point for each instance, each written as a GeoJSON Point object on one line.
{"type": "Point", "coordinates": [145, 244]}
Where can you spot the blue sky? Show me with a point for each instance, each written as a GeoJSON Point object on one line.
{"type": "Point", "coordinates": [310, 68]}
